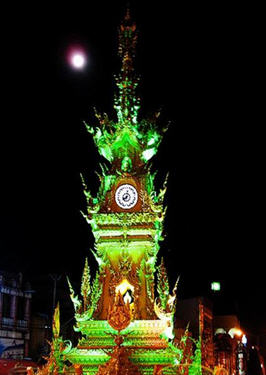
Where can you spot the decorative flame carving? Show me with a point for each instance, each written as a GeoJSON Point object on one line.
{"type": "Point", "coordinates": [119, 315]}
{"type": "Point", "coordinates": [56, 322]}
{"type": "Point", "coordinates": [119, 318]}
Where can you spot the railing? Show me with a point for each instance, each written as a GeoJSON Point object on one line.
{"type": "Point", "coordinates": [9, 322]}
{"type": "Point", "coordinates": [22, 323]}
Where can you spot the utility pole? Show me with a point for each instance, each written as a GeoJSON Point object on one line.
{"type": "Point", "coordinates": [55, 278]}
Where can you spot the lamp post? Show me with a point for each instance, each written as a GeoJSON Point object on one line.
{"type": "Point", "coordinates": [241, 352]}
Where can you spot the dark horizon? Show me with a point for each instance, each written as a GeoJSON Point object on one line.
{"type": "Point", "coordinates": [196, 65]}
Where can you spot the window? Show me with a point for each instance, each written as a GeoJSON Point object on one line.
{"type": "Point", "coordinates": [6, 305]}
{"type": "Point", "coordinates": [20, 308]}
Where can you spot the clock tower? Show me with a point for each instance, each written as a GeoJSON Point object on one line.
{"type": "Point", "coordinates": [126, 218]}
{"type": "Point", "coordinates": [127, 215]}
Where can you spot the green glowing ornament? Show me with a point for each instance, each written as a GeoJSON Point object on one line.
{"type": "Point", "coordinates": [85, 285]}
{"type": "Point", "coordinates": [126, 164]}
{"type": "Point", "coordinates": [162, 285]}
{"type": "Point", "coordinates": [75, 299]}
{"type": "Point", "coordinates": [196, 367]}
{"type": "Point", "coordinates": [96, 291]}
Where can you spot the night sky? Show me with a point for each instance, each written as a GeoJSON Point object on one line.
{"type": "Point", "coordinates": [197, 63]}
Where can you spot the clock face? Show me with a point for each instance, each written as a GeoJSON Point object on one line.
{"type": "Point", "coordinates": [126, 196]}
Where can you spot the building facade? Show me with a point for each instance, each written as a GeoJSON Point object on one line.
{"type": "Point", "coordinates": [224, 342]}
{"type": "Point", "coordinates": [15, 313]}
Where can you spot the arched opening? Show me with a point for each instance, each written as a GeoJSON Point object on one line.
{"type": "Point", "coordinates": [127, 291]}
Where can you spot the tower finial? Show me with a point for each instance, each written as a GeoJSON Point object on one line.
{"type": "Point", "coordinates": [127, 105]}
{"type": "Point", "coordinates": [127, 16]}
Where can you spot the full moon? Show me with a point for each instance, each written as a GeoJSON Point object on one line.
{"type": "Point", "coordinates": [78, 60]}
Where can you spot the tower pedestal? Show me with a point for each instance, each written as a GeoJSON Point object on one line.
{"type": "Point", "coordinates": [145, 340]}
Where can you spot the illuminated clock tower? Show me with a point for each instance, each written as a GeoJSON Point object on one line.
{"type": "Point", "coordinates": [126, 218]}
